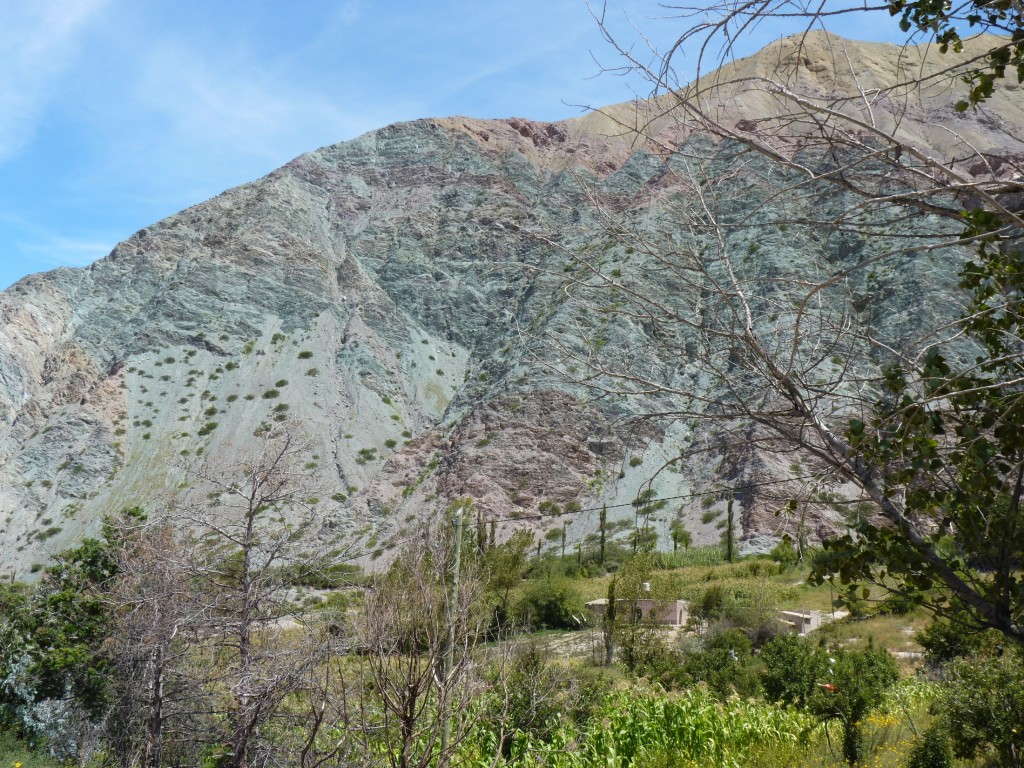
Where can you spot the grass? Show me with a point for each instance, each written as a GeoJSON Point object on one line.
{"type": "Point", "coordinates": [15, 752]}
{"type": "Point", "coordinates": [765, 583]}
{"type": "Point", "coordinates": [895, 633]}
{"type": "Point", "coordinates": [888, 737]}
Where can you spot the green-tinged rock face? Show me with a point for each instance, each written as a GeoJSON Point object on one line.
{"type": "Point", "coordinates": [444, 309]}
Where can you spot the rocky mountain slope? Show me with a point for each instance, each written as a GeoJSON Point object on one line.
{"type": "Point", "coordinates": [403, 301]}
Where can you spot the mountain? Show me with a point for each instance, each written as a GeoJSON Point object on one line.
{"type": "Point", "coordinates": [410, 304]}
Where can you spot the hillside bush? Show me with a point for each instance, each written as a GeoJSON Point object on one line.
{"type": "Point", "coordinates": [981, 707]}
{"type": "Point", "coordinates": [553, 603]}
{"type": "Point", "coordinates": [726, 665]}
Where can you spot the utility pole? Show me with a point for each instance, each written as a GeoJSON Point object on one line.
{"type": "Point", "coordinates": [730, 531]}
{"type": "Point", "coordinates": [449, 651]}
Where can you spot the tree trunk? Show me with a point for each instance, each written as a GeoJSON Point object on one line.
{"type": "Point", "coordinates": [154, 723]}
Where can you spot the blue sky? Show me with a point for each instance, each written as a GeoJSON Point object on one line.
{"type": "Point", "coordinates": [117, 113]}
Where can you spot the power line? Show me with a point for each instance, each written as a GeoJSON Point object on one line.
{"type": "Point", "coordinates": [395, 542]}
{"type": "Point", "coordinates": [634, 503]}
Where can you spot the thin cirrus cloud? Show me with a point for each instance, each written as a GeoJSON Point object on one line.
{"type": "Point", "coordinates": [114, 114]}
{"type": "Point", "coordinates": [223, 106]}
{"type": "Point", "coordinates": [38, 41]}
{"type": "Point", "coordinates": [50, 251]}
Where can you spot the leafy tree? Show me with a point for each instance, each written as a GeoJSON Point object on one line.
{"type": "Point", "coordinates": [981, 708]}
{"type": "Point", "coordinates": [729, 531]}
{"type": "Point", "coordinates": [833, 683]}
{"type": "Point", "coordinates": [608, 622]}
{"type": "Point", "coordinates": [943, 457]}
{"type": "Point", "coordinates": [853, 684]}
{"type": "Point", "coordinates": [645, 538]}
{"type": "Point", "coordinates": [681, 537]}
{"type": "Point", "coordinates": [504, 567]}
{"type": "Point", "coordinates": [636, 637]}
{"type": "Point", "coordinates": [57, 676]}
{"type": "Point", "coordinates": [793, 669]}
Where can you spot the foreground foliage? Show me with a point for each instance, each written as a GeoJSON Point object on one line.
{"type": "Point", "coordinates": [641, 726]}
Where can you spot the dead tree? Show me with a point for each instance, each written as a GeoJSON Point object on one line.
{"type": "Point", "coordinates": [849, 165]}
{"type": "Point", "coordinates": [408, 622]}
{"type": "Point", "coordinates": [254, 532]}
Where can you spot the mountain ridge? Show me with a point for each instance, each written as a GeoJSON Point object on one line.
{"type": "Point", "coordinates": [408, 287]}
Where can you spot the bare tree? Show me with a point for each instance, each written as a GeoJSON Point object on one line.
{"type": "Point", "coordinates": [411, 624]}
{"type": "Point", "coordinates": [849, 401]}
{"type": "Point", "coordinates": [884, 123]}
{"type": "Point", "coordinates": [157, 618]}
{"type": "Point", "coordinates": [254, 530]}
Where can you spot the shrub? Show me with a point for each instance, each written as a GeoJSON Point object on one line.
{"type": "Point", "coordinates": [981, 707]}
{"type": "Point", "coordinates": [792, 669]}
{"type": "Point", "coordinates": [784, 553]}
{"type": "Point", "coordinates": [551, 604]}
{"type": "Point", "coordinates": [944, 641]}
{"type": "Point", "coordinates": [931, 750]}
{"type": "Point", "coordinates": [726, 665]}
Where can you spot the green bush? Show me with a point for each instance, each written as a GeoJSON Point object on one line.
{"type": "Point", "coordinates": [726, 665]}
{"type": "Point", "coordinates": [553, 603]}
{"type": "Point", "coordinates": [931, 750]}
{"type": "Point", "coordinates": [981, 707]}
{"type": "Point", "coordinates": [792, 668]}
{"type": "Point", "coordinates": [944, 641]}
{"type": "Point", "coordinates": [785, 553]}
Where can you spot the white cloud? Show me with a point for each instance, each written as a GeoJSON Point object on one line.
{"type": "Point", "coordinates": [236, 104]}
{"type": "Point", "coordinates": [57, 250]}
{"type": "Point", "coordinates": [38, 41]}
